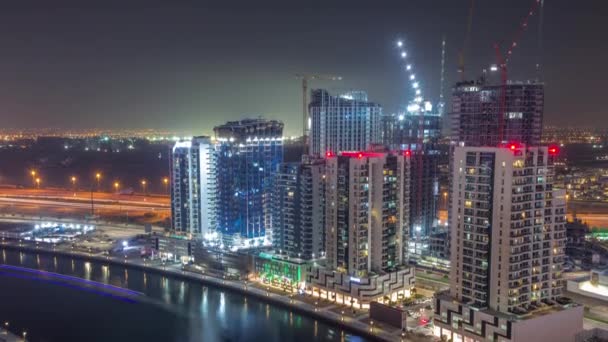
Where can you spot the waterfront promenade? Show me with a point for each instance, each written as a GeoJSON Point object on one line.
{"type": "Point", "coordinates": [324, 311]}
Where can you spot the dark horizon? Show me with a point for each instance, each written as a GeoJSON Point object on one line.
{"type": "Point", "coordinates": [191, 66]}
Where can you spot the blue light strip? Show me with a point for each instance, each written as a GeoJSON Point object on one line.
{"type": "Point", "coordinates": [68, 285]}
{"type": "Point", "coordinates": [74, 279]}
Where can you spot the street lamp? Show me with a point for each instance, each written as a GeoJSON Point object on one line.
{"type": "Point", "coordinates": [143, 186]}
{"type": "Point", "coordinates": [73, 180]}
{"type": "Point", "coordinates": [33, 173]}
{"type": "Point", "coordinates": [166, 184]}
{"type": "Point", "coordinates": [98, 178]}
{"type": "Point", "coordinates": [116, 186]}
{"type": "Point", "coordinates": [38, 180]}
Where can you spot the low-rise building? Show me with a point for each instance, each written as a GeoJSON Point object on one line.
{"type": "Point", "coordinates": [174, 247]}
{"type": "Point", "coordinates": [281, 271]}
{"type": "Point", "coordinates": [552, 321]}
{"type": "Point", "coordinates": [359, 292]}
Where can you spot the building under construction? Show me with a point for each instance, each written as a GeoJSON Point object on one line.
{"type": "Point", "coordinates": [418, 132]}
{"type": "Point", "coordinates": [475, 111]}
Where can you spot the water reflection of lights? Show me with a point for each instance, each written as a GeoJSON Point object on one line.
{"type": "Point", "coordinates": [182, 290]}
{"type": "Point", "coordinates": [222, 309]}
{"type": "Point", "coordinates": [204, 306]}
{"type": "Point", "coordinates": [105, 273]}
{"type": "Point", "coordinates": [166, 293]}
{"type": "Point", "coordinates": [87, 270]}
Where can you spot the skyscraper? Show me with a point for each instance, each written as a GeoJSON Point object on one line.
{"type": "Point", "coordinates": [475, 106]}
{"type": "Point", "coordinates": [418, 130]}
{"type": "Point", "coordinates": [193, 189]}
{"type": "Point", "coordinates": [366, 229]}
{"type": "Point", "coordinates": [342, 123]}
{"type": "Point", "coordinates": [366, 213]}
{"type": "Point", "coordinates": [507, 240]}
{"type": "Point", "coordinates": [424, 191]}
{"type": "Point", "coordinates": [474, 115]}
{"type": "Point", "coordinates": [248, 155]}
{"type": "Point", "coordinates": [299, 209]}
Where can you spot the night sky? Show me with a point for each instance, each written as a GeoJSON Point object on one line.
{"type": "Point", "coordinates": [189, 65]}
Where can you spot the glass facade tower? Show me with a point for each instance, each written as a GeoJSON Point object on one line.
{"type": "Point", "coordinates": [248, 155]}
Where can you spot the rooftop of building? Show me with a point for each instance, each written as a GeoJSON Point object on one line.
{"type": "Point", "coordinates": [377, 152]}
{"type": "Point", "coordinates": [322, 264]}
{"type": "Point", "coordinates": [484, 82]}
{"type": "Point", "coordinates": [250, 127]}
{"type": "Point", "coordinates": [548, 307]}
{"type": "Point", "coordinates": [349, 98]}
{"type": "Point", "coordinates": [282, 257]}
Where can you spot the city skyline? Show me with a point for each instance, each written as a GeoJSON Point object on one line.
{"type": "Point", "coordinates": [280, 171]}
{"type": "Point", "coordinates": [189, 66]}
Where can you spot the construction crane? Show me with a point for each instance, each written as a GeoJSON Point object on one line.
{"type": "Point", "coordinates": [467, 39]}
{"type": "Point", "coordinates": [539, 57]}
{"type": "Point", "coordinates": [503, 60]}
{"type": "Point", "coordinates": [305, 78]}
{"type": "Point", "coordinates": [441, 103]}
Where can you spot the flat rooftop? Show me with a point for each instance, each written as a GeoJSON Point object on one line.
{"type": "Point", "coordinates": [541, 311]}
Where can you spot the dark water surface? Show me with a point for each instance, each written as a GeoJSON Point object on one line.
{"type": "Point", "coordinates": [57, 309]}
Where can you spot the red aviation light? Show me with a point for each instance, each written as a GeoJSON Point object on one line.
{"type": "Point", "coordinates": [407, 153]}
{"type": "Point", "coordinates": [361, 154]}
{"type": "Point", "coordinates": [553, 150]}
{"type": "Point", "coordinates": [513, 146]}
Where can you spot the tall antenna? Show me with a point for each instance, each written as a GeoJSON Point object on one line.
{"type": "Point", "coordinates": [441, 103]}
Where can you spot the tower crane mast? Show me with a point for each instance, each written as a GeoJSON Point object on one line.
{"type": "Point", "coordinates": [503, 60]}
{"type": "Point", "coordinates": [467, 38]}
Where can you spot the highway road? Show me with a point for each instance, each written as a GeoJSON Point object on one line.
{"type": "Point", "coordinates": [99, 205]}
{"type": "Point", "coordinates": [82, 200]}
{"type": "Point", "coordinates": [64, 203]}
{"type": "Point", "coordinates": [84, 195]}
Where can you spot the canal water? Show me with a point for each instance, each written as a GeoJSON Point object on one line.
{"type": "Point", "coordinates": [56, 308]}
